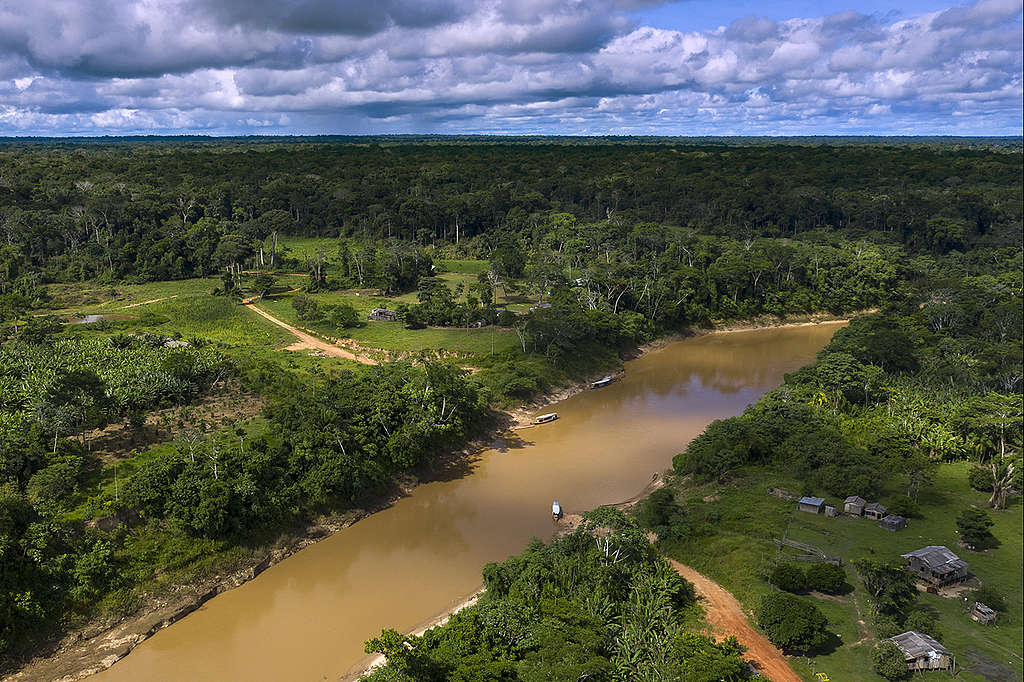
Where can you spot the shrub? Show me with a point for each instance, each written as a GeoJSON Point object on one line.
{"type": "Point", "coordinates": [980, 478]}
{"type": "Point", "coordinates": [923, 619]}
{"type": "Point", "coordinates": [827, 578]}
{"type": "Point", "coordinates": [789, 577]}
{"type": "Point", "coordinates": [884, 626]}
{"type": "Point", "coordinates": [988, 596]}
{"type": "Point", "coordinates": [974, 527]}
{"type": "Point", "coordinates": [904, 506]}
{"type": "Point", "coordinates": [793, 624]}
{"type": "Point", "coordinates": [660, 513]}
{"type": "Point", "coordinates": [889, 662]}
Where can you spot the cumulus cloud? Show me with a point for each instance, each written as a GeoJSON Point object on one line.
{"type": "Point", "coordinates": [561, 66]}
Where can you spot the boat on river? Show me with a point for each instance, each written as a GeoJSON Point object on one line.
{"type": "Point", "coordinates": [601, 383]}
{"type": "Point", "coordinates": [545, 418]}
{"type": "Point", "coordinates": [556, 510]}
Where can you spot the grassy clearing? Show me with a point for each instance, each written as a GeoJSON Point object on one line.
{"type": "Point", "coordinates": [393, 336]}
{"type": "Point", "coordinates": [93, 297]}
{"type": "Point", "coordinates": [467, 267]}
{"type": "Point", "coordinates": [738, 551]}
{"type": "Point", "coordinates": [299, 247]}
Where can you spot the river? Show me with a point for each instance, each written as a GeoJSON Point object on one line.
{"type": "Point", "coordinates": [307, 617]}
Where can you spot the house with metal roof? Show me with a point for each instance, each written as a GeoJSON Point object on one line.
{"type": "Point", "coordinates": [921, 652]}
{"type": "Point", "coordinates": [983, 614]}
{"type": "Point", "coordinates": [875, 510]}
{"type": "Point", "coordinates": [893, 522]}
{"type": "Point", "coordinates": [936, 565]}
{"type": "Point", "coordinates": [811, 504]}
{"type": "Point", "coordinates": [854, 505]}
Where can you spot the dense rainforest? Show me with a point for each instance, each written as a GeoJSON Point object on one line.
{"type": "Point", "coordinates": [574, 253]}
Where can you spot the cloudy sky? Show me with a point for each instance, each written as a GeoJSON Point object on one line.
{"type": "Point", "coordinates": [697, 67]}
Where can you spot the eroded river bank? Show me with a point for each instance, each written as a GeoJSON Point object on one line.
{"type": "Point", "coordinates": [306, 618]}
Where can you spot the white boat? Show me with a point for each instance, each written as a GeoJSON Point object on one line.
{"type": "Point", "coordinates": [601, 383]}
{"type": "Point", "coordinates": [556, 510]}
{"type": "Point", "coordinates": [545, 418]}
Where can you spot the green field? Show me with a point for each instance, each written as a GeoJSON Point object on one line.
{"type": "Point", "coordinates": [739, 552]}
{"type": "Point", "coordinates": [393, 336]}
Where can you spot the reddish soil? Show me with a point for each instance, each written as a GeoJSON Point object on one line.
{"type": "Point", "coordinates": [310, 342]}
{"type": "Point", "coordinates": [725, 615]}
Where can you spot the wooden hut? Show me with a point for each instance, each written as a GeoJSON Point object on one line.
{"type": "Point", "coordinates": [875, 511]}
{"type": "Point", "coordinates": [854, 505]}
{"type": "Point", "coordinates": [936, 565]}
{"type": "Point", "coordinates": [831, 511]}
{"type": "Point", "coordinates": [812, 505]}
{"type": "Point", "coordinates": [893, 522]}
{"type": "Point", "coordinates": [921, 652]}
{"type": "Point", "coordinates": [983, 614]}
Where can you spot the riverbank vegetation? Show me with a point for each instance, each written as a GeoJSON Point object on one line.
{"type": "Point", "coordinates": [598, 604]}
{"type": "Point", "coordinates": [171, 434]}
{"type": "Point", "coordinates": [918, 406]}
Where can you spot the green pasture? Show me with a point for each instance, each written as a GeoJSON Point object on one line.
{"type": "Point", "coordinates": [393, 336]}
{"type": "Point", "coordinates": [465, 267]}
{"type": "Point", "coordinates": [738, 551]}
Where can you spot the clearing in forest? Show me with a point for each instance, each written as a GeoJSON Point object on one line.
{"type": "Point", "coordinates": [310, 342]}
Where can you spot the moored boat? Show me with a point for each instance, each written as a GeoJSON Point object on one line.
{"type": "Point", "coordinates": [545, 418]}
{"type": "Point", "coordinates": [601, 383]}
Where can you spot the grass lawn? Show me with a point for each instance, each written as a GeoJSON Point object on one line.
{"type": "Point", "coordinates": [739, 551]}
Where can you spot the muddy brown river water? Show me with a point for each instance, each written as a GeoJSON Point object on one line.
{"type": "Point", "coordinates": [307, 617]}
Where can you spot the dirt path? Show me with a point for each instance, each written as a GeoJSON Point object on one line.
{"type": "Point", "coordinates": [726, 616]}
{"type": "Point", "coordinates": [152, 300]}
{"type": "Point", "coordinates": [309, 342]}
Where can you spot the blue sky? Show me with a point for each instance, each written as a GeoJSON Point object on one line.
{"type": "Point", "coordinates": [699, 67]}
{"type": "Point", "coordinates": [706, 15]}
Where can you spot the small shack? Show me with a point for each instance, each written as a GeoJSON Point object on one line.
{"type": "Point", "coordinates": [831, 511]}
{"type": "Point", "coordinates": [983, 614]}
{"type": "Point", "coordinates": [383, 315]}
{"type": "Point", "coordinates": [812, 505]}
{"type": "Point", "coordinates": [875, 511]}
{"type": "Point", "coordinates": [893, 522]}
{"type": "Point", "coordinates": [921, 652]}
{"type": "Point", "coordinates": [854, 505]}
{"type": "Point", "coordinates": [936, 565]}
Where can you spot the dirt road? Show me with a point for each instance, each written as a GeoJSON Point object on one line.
{"type": "Point", "coordinates": [309, 342]}
{"type": "Point", "coordinates": [726, 616]}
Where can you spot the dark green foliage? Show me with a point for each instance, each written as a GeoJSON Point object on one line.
{"type": "Point", "coordinates": [988, 596]}
{"type": "Point", "coordinates": [596, 605]}
{"type": "Point", "coordinates": [660, 513]}
{"type": "Point", "coordinates": [974, 525]}
{"type": "Point", "coordinates": [888, 661]}
{"type": "Point", "coordinates": [904, 506]}
{"type": "Point", "coordinates": [791, 623]}
{"type": "Point", "coordinates": [980, 478]}
{"type": "Point", "coordinates": [827, 578]}
{"type": "Point", "coordinates": [725, 445]}
{"type": "Point", "coordinates": [890, 585]}
{"type": "Point", "coordinates": [923, 619]}
{"type": "Point", "coordinates": [336, 443]}
{"type": "Point", "coordinates": [790, 577]}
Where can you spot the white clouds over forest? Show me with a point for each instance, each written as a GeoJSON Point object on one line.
{"type": "Point", "coordinates": [554, 66]}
